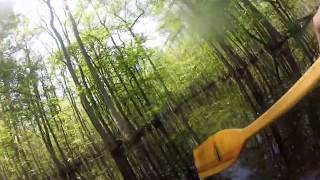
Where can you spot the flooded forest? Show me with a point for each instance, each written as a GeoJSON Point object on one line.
{"type": "Point", "coordinates": [126, 89]}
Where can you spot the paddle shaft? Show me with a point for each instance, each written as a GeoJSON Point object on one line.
{"type": "Point", "coordinates": [299, 90]}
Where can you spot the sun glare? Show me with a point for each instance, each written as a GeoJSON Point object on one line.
{"type": "Point", "coordinates": [5, 7]}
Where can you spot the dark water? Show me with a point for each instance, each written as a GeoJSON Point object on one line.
{"type": "Point", "coordinates": [299, 158]}
{"type": "Point", "coordinates": [253, 165]}
{"type": "Point", "coordinates": [293, 155]}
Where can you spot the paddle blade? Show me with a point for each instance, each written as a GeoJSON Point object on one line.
{"type": "Point", "coordinates": [218, 152]}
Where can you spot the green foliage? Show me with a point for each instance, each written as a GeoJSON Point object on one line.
{"type": "Point", "coordinates": [218, 59]}
{"type": "Point", "coordinates": [188, 64]}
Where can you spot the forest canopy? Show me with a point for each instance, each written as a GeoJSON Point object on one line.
{"type": "Point", "coordinates": [126, 89]}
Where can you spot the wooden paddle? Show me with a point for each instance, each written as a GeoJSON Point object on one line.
{"type": "Point", "coordinates": [222, 149]}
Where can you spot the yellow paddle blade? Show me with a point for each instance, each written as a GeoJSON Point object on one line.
{"type": "Point", "coordinates": [218, 152]}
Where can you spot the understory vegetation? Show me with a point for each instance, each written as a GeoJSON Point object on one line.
{"type": "Point", "coordinates": [85, 92]}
